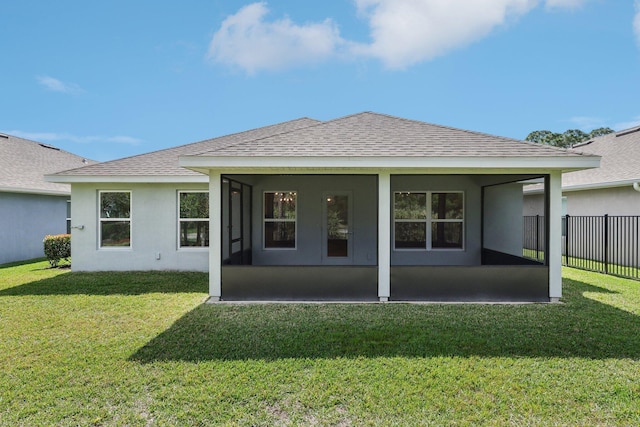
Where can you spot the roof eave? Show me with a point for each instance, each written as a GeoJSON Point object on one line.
{"type": "Point", "coordinates": [38, 191]}
{"type": "Point", "coordinates": [487, 164]}
{"type": "Point", "coordinates": [160, 179]}
{"type": "Point", "coordinates": [599, 185]}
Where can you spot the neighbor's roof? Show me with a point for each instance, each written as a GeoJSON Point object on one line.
{"type": "Point", "coordinates": [364, 135]}
{"type": "Point", "coordinates": [620, 164]}
{"type": "Point", "coordinates": [23, 164]}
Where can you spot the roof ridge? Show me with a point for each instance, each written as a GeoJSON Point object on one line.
{"type": "Point", "coordinates": [627, 131]}
{"type": "Point", "coordinates": [472, 132]}
{"type": "Point", "coordinates": [319, 123]}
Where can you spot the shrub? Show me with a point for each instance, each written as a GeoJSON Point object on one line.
{"type": "Point", "coordinates": [56, 248]}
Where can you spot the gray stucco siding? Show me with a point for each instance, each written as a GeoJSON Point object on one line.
{"type": "Point", "coordinates": [154, 223]}
{"type": "Point", "coordinates": [154, 230]}
{"type": "Point", "coordinates": [591, 202]}
{"type": "Point", "coordinates": [533, 204]}
{"type": "Point", "coordinates": [612, 201]}
{"type": "Point", "coordinates": [502, 219]}
{"type": "Point", "coordinates": [24, 221]}
{"type": "Point", "coordinates": [310, 190]}
{"type": "Point", "coordinates": [470, 254]}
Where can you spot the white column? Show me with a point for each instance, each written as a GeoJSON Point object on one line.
{"type": "Point", "coordinates": [384, 236]}
{"type": "Point", "coordinates": [554, 246]}
{"type": "Point", "coordinates": [215, 235]}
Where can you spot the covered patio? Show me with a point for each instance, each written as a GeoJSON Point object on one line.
{"type": "Point", "coordinates": [375, 208]}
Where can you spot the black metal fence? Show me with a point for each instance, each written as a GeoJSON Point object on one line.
{"type": "Point", "coordinates": [606, 244]}
{"type": "Point", "coordinates": [533, 237]}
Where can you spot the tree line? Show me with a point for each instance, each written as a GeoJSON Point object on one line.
{"type": "Point", "coordinates": [566, 139]}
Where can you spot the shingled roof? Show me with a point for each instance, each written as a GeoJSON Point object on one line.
{"type": "Point", "coordinates": [363, 135]}
{"type": "Point", "coordinates": [23, 164]}
{"type": "Point", "coordinates": [620, 162]}
{"type": "Point", "coordinates": [377, 135]}
{"type": "Point", "coordinates": [165, 162]}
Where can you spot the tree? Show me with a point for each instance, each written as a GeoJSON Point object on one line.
{"type": "Point", "coordinates": [574, 136]}
{"type": "Point", "coordinates": [567, 139]}
{"type": "Point", "coordinates": [546, 137]}
{"type": "Point", "coordinates": [600, 132]}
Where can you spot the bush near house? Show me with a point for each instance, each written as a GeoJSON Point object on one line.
{"type": "Point", "coordinates": [56, 248]}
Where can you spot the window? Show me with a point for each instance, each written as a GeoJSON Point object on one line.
{"type": "Point", "coordinates": [115, 219]}
{"type": "Point", "coordinates": [428, 220]}
{"type": "Point", "coordinates": [280, 220]}
{"type": "Point", "coordinates": [193, 219]}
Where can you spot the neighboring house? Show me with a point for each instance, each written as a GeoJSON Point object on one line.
{"type": "Point", "coordinates": [364, 207]}
{"type": "Point", "coordinates": [613, 188]}
{"type": "Point", "coordinates": [31, 207]}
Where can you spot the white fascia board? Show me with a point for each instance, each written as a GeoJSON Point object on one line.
{"type": "Point", "coordinates": [406, 164]}
{"type": "Point", "coordinates": [165, 179]}
{"type": "Point", "coordinates": [532, 189]}
{"type": "Point", "coordinates": [582, 187]}
{"type": "Point", "coordinates": [599, 185]}
{"type": "Point", "coordinates": [35, 191]}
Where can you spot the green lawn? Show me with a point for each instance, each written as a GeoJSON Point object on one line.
{"type": "Point", "coordinates": [113, 349]}
{"type": "Point", "coordinates": [589, 264]}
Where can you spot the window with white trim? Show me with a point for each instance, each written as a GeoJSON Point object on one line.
{"type": "Point", "coordinates": [280, 219]}
{"type": "Point", "coordinates": [428, 220]}
{"type": "Point", "coordinates": [115, 219]}
{"type": "Point", "coordinates": [193, 219]}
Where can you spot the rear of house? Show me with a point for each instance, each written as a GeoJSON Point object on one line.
{"type": "Point", "coordinates": [365, 207]}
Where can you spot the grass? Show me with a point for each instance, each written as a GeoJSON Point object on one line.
{"type": "Point", "coordinates": [613, 269]}
{"type": "Point", "coordinates": [109, 349]}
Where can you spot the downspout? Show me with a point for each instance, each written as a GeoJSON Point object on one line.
{"type": "Point", "coordinates": [636, 186]}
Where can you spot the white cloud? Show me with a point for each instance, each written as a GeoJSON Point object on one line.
{"type": "Point", "coordinates": [403, 32]}
{"type": "Point", "coordinates": [56, 85]}
{"type": "Point", "coordinates": [246, 40]}
{"type": "Point", "coordinates": [53, 136]}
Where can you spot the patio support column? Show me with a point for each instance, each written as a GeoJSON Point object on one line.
{"type": "Point", "coordinates": [215, 235]}
{"type": "Point", "coordinates": [554, 243]}
{"type": "Point", "coordinates": [384, 236]}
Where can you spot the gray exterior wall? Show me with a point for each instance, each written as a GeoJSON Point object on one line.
{"type": "Point", "coordinates": [612, 201]}
{"type": "Point", "coordinates": [154, 217]}
{"type": "Point", "coordinates": [309, 227]}
{"type": "Point", "coordinates": [502, 224]}
{"type": "Point", "coordinates": [24, 221]}
{"type": "Point", "coordinates": [471, 254]}
{"type": "Point", "coordinates": [533, 204]}
{"type": "Point", "coordinates": [154, 230]}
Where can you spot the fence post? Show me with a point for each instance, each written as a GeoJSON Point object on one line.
{"type": "Point", "coordinates": [606, 244]}
{"type": "Point", "coordinates": [566, 239]}
{"type": "Point", "coordinates": [537, 237]}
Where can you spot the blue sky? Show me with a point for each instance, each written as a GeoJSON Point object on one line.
{"type": "Point", "coordinates": [112, 79]}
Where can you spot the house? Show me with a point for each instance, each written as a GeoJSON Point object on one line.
{"type": "Point", "coordinates": [363, 207]}
{"type": "Point", "coordinates": [600, 208]}
{"type": "Point", "coordinates": [612, 189]}
{"type": "Point", "coordinates": [31, 207]}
